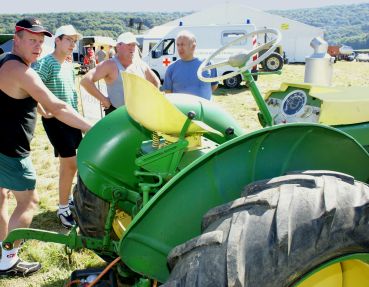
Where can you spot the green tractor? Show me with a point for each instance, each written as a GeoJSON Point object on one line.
{"type": "Point", "coordinates": [174, 188]}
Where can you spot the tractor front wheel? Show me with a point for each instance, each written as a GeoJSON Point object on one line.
{"type": "Point", "coordinates": [295, 230]}
{"type": "Point", "coordinates": [233, 83]}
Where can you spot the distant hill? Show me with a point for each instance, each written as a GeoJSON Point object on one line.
{"type": "Point", "coordinates": [95, 23]}
{"type": "Point", "coordinates": [343, 24]}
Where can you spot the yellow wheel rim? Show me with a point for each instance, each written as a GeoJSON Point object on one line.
{"type": "Point", "coordinates": [347, 273]}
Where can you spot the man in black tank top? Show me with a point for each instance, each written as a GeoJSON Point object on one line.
{"type": "Point", "coordinates": [20, 91]}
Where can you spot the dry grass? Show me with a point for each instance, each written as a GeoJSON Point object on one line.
{"type": "Point", "coordinates": [238, 102]}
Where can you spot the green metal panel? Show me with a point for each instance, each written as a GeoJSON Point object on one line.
{"type": "Point", "coordinates": [174, 214]}
{"type": "Point", "coordinates": [107, 153]}
{"type": "Point", "coordinates": [360, 132]}
{"type": "Point", "coordinates": [211, 114]}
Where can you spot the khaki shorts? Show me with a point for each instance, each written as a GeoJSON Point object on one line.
{"type": "Point", "coordinates": [17, 173]}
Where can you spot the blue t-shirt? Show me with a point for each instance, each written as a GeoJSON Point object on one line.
{"type": "Point", "coordinates": [181, 77]}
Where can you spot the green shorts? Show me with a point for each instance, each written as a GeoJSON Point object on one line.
{"type": "Point", "coordinates": [17, 173]}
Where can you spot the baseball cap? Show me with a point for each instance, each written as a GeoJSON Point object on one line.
{"type": "Point", "coordinates": [127, 38]}
{"type": "Point", "coordinates": [32, 25]}
{"type": "Point", "coordinates": [67, 30]}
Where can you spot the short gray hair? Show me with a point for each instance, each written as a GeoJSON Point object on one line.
{"type": "Point", "coordinates": [186, 34]}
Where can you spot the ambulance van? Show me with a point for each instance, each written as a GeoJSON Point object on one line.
{"type": "Point", "coordinates": [208, 39]}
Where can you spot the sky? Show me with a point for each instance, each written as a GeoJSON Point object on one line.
{"type": "Point", "coordinates": [47, 6]}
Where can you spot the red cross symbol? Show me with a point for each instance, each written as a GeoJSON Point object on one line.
{"type": "Point", "coordinates": [166, 62]}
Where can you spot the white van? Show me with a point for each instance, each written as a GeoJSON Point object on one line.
{"type": "Point", "coordinates": [209, 39]}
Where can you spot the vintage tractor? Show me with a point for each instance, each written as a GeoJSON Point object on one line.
{"type": "Point", "coordinates": [176, 189]}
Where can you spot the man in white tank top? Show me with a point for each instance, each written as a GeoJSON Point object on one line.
{"type": "Point", "coordinates": [126, 59]}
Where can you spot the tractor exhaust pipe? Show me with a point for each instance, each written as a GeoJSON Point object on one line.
{"type": "Point", "coordinates": [319, 65]}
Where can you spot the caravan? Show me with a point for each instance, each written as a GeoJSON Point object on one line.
{"type": "Point", "coordinates": [208, 40]}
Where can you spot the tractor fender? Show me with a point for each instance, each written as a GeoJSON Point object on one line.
{"type": "Point", "coordinates": [174, 214]}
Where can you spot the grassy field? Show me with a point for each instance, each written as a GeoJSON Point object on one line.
{"type": "Point", "coordinates": [57, 267]}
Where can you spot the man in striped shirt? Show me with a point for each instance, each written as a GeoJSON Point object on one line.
{"type": "Point", "coordinates": [57, 74]}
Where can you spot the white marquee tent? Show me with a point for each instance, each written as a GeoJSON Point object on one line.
{"type": "Point", "coordinates": [296, 36]}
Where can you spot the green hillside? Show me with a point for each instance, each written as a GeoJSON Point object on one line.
{"type": "Point", "coordinates": [343, 24]}
{"type": "Point", "coordinates": [95, 23]}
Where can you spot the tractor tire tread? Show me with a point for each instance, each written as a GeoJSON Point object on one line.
{"type": "Point", "coordinates": [277, 235]}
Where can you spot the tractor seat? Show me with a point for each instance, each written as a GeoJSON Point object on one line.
{"type": "Point", "coordinates": [150, 108]}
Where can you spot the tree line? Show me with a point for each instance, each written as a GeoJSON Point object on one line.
{"type": "Point", "coordinates": [109, 24]}
{"type": "Point", "coordinates": [343, 24]}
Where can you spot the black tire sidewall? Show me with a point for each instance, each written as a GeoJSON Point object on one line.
{"type": "Point", "coordinates": [279, 233]}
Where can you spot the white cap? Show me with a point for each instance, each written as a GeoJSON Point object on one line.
{"type": "Point", "coordinates": [67, 30]}
{"type": "Point", "coordinates": [127, 38]}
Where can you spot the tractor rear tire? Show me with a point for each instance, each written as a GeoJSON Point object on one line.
{"type": "Point", "coordinates": [90, 211]}
{"type": "Point", "coordinates": [284, 229]}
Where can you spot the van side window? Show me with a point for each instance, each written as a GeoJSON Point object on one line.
{"type": "Point", "coordinates": [165, 47]}
{"type": "Point", "coordinates": [169, 47]}
{"type": "Point", "coordinates": [229, 36]}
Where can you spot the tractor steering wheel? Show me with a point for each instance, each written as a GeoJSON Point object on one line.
{"type": "Point", "coordinates": [239, 61]}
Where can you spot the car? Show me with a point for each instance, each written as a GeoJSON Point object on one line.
{"type": "Point", "coordinates": [362, 58]}
{"type": "Point", "coordinates": [6, 47]}
{"type": "Point", "coordinates": [351, 57]}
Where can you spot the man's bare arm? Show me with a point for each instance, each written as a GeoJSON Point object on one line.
{"type": "Point", "coordinates": [102, 71]}
{"type": "Point", "coordinates": [32, 84]}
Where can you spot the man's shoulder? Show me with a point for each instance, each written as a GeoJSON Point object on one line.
{"type": "Point", "coordinates": [108, 67]}
{"type": "Point", "coordinates": [9, 57]}
{"type": "Point", "coordinates": [198, 61]}
{"type": "Point", "coordinates": [110, 63]}
{"type": "Point", "coordinates": [48, 60]}
{"type": "Point", "coordinates": [19, 72]}
{"type": "Point", "coordinates": [14, 65]}
{"type": "Point", "coordinates": [45, 64]}
{"type": "Point", "coordinates": [176, 64]}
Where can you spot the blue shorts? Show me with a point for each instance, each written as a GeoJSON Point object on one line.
{"type": "Point", "coordinates": [17, 173]}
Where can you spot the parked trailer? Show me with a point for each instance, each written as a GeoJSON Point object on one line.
{"type": "Point", "coordinates": [96, 42]}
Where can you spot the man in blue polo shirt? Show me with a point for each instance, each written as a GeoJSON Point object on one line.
{"type": "Point", "coordinates": [181, 76]}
